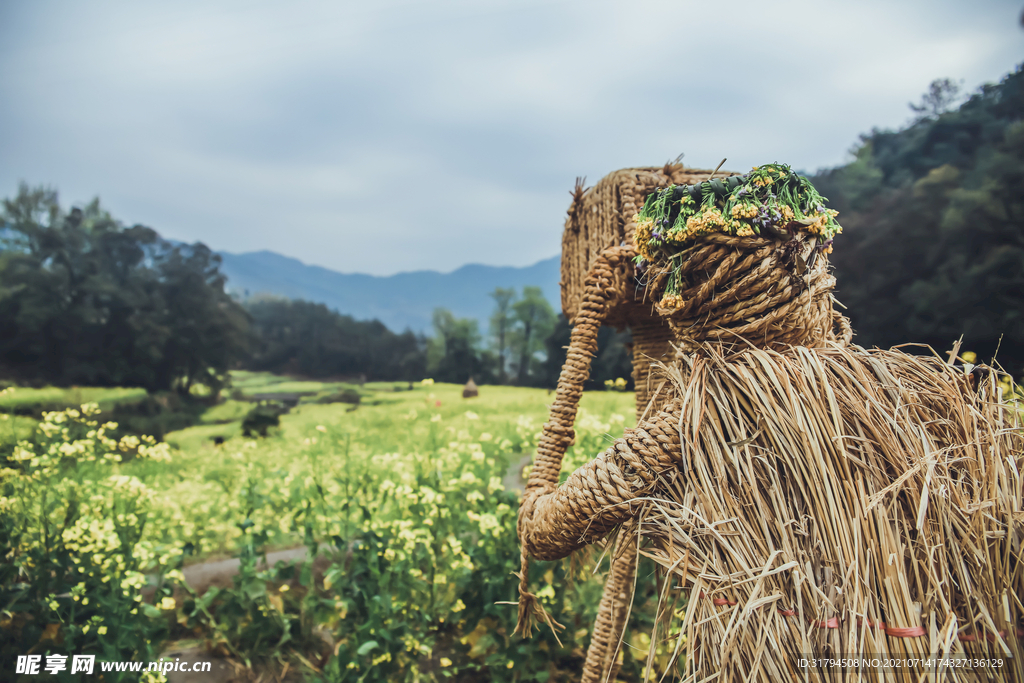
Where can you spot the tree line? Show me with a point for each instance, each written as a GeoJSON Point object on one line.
{"type": "Point", "coordinates": [933, 225]}
{"type": "Point", "coordinates": [523, 345]}
{"type": "Point", "coordinates": [85, 300]}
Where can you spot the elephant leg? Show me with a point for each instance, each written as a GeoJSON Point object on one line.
{"type": "Point", "coordinates": [602, 656]}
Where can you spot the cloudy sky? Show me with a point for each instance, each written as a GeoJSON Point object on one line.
{"type": "Point", "coordinates": [391, 135]}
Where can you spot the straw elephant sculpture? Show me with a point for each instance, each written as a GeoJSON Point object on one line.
{"type": "Point", "coordinates": [803, 494]}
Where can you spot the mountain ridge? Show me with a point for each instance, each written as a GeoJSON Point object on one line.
{"type": "Point", "coordinates": [401, 301]}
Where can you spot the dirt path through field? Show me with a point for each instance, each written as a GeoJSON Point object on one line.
{"type": "Point", "coordinates": [201, 576]}
{"type": "Point", "coordinates": [513, 479]}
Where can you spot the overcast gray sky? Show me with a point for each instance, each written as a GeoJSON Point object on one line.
{"type": "Point", "coordinates": [384, 136]}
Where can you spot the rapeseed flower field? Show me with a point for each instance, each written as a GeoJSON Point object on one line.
{"type": "Point", "coordinates": [406, 506]}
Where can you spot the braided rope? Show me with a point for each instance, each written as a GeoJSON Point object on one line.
{"type": "Point", "coordinates": [596, 497]}
{"type": "Point", "coordinates": [606, 279]}
{"type": "Point", "coordinates": [652, 343]}
{"type": "Point", "coordinates": [612, 613]}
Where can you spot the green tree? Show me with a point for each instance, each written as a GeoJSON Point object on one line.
{"type": "Point", "coordinates": [308, 338]}
{"type": "Point", "coordinates": [454, 355]}
{"type": "Point", "coordinates": [502, 321]}
{"type": "Point", "coordinates": [933, 218]}
{"type": "Point", "coordinates": [207, 330]}
{"type": "Point", "coordinates": [942, 94]}
{"type": "Point", "coordinates": [534, 322]}
{"type": "Point", "coordinates": [85, 300]}
{"type": "Point", "coordinates": [71, 289]}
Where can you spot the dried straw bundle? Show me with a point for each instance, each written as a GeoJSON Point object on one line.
{"type": "Point", "coordinates": [812, 496]}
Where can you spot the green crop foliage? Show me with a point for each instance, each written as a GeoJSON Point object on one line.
{"type": "Point", "coordinates": [403, 507]}
{"type": "Point", "coordinates": [74, 547]}
{"type": "Point", "coordinates": [403, 510]}
{"type": "Point", "coordinates": [229, 411]}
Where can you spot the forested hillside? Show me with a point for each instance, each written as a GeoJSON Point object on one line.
{"type": "Point", "coordinates": [305, 338]}
{"type": "Point", "coordinates": [933, 226]}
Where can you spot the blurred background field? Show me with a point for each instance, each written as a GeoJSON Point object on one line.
{"type": "Point", "coordinates": [30, 400]}
{"type": "Point", "coordinates": [394, 426]}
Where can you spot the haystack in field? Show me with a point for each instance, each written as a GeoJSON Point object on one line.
{"type": "Point", "coordinates": [804, 497]}
{"type": "Point", "coordinates": [470, 390]}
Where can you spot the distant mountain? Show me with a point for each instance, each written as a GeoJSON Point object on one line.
{"type": "Point", "coordinates": [401, 301]}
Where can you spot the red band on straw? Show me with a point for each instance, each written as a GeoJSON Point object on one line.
{"type": "Point", "coordinates": [905, 632]}
{"type": "Point", "coordinates": [787, 612]}
{"type": "Point", "coordinates": [970, 637]}
{"type": "Point", "coordinates": [880, 624]}
{"type": "Point", "coordinates": [831, 623]}
{"type": "Point", "coordinates": [722, 601]}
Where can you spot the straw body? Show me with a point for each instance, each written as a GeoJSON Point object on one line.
{"type": "Point", "coordinates": [809, 499]}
